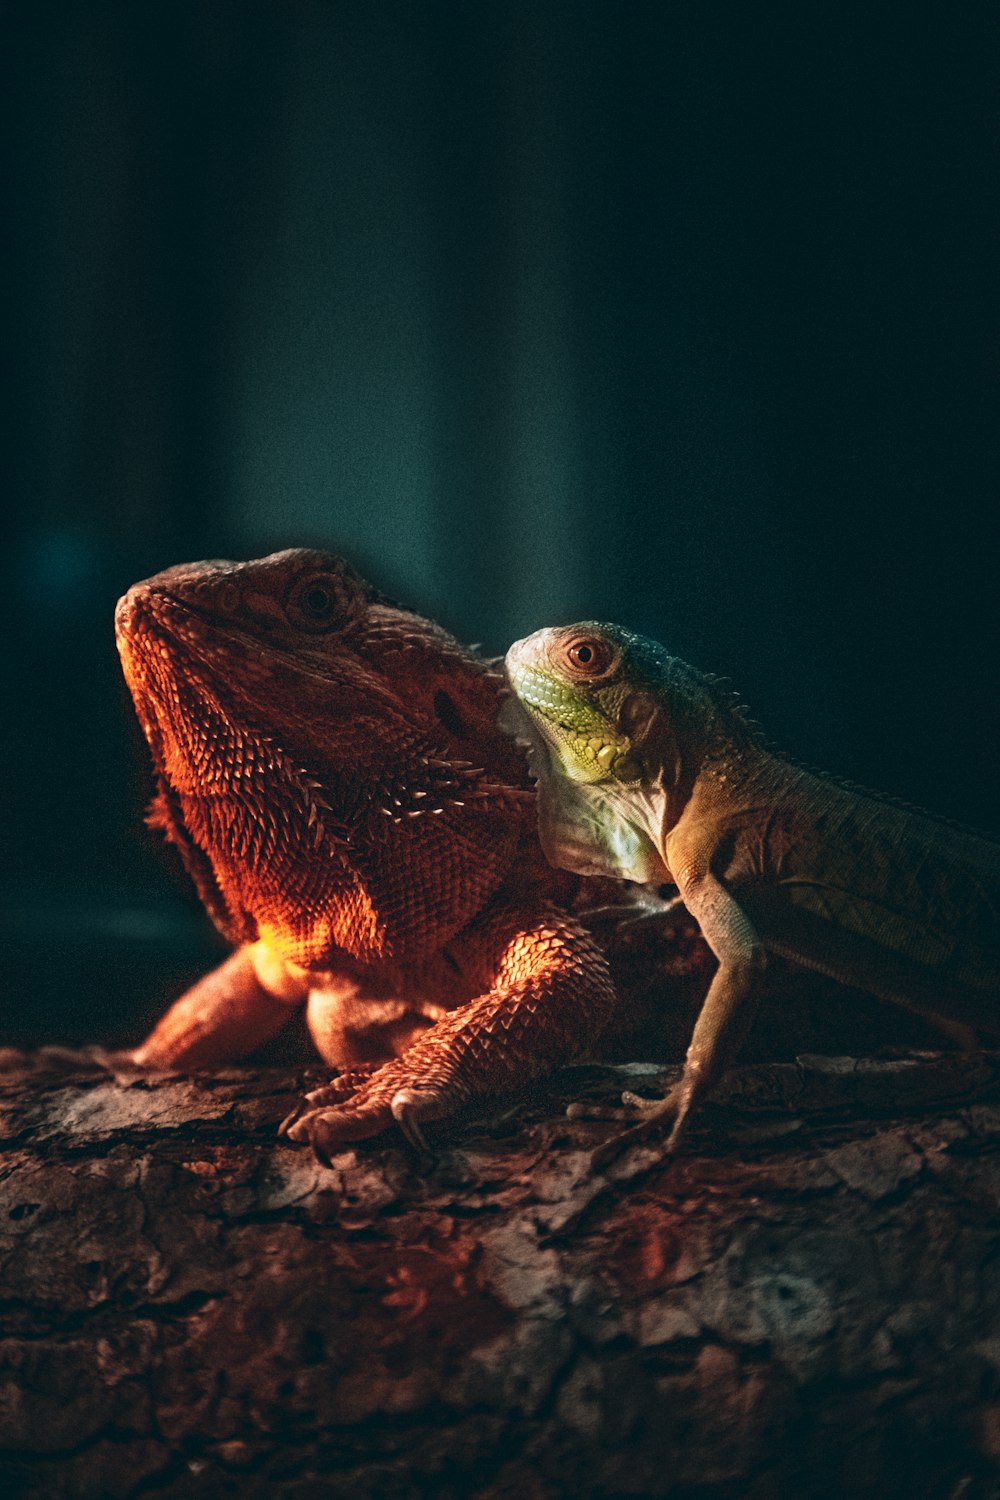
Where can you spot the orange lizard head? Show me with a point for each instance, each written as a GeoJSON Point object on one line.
{"type": "Point", "coordinates": [327, 762]}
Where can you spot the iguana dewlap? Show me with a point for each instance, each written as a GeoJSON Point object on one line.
{"type": "Point", "coordinates": [647, 769]}
{"type": "Point", "coordinates": [329, 767]}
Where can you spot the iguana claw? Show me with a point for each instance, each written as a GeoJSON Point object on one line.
{"type": "Point", "coordinates": [652, 1112]}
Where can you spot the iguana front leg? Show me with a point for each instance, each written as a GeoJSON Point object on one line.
{"type": "Point", "coordinates": [725, 1014]}
{"type": "Point", "coordinates": [546, 995]}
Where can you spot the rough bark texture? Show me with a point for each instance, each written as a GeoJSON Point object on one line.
{"type": "Point", "coordinates": [807, 1303]}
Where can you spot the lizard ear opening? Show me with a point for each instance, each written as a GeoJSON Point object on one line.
{"type": "Point", "coordinates": [447, 712]}
{"type": "Point", "coordinates": [635, 717]}
{"type": "Point", "coordinates": [653, 738]}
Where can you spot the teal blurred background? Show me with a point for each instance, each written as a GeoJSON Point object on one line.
{"type": "Point", "coordinates": [679, 315]}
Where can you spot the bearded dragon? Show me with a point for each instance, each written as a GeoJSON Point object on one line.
{"type": "Point", "coordinates": [329, 767]}
{"type": "Point", "coordinates": [648, 770]}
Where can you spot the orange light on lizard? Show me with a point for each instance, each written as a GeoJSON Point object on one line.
{"type": "Point", "coordinates": [330, 769]}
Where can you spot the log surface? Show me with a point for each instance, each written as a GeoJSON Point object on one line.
{"type": "Point", "coordinates": [806, 1304]}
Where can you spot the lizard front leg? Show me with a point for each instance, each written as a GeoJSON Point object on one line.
{"type": "Point", "coordinates": [227, 1015]}
{"type": "Point", "coordinates": [358, 1020]}
{"type": "Point", "coordinates": [546, 995]}
{"type": "Point", "coordinates": [724, 1018]}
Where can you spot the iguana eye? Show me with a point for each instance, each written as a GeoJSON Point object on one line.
{"type": "Point", "coordinates": [589, 655]}
{"type": "Point", "coordinates": [319, 602]}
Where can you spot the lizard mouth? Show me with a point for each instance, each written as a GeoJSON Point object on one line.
{"type": "Point", "coordinates": [186, 705]}
{"type": "Point", "coordinates": [517, 721]}
{"type": "Point", "coordinates": [562, 737]}
{"type": "Point", "coordinates": [170, 649]}
{"type": "Point", "coordinates": [150, 623]}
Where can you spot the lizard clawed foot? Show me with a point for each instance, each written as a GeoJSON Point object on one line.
{"type": "Point", "coordinates": [329, 1131]}
{"type": "Point", "coordinates": [336, 1092]}
{"type": "Point", "coordinates": [653, 1114]}
{"type": "Point", "coordinates": [333, 1125]}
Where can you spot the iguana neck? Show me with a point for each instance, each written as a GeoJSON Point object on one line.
{"type": "Point", "coordinates": [705, 749]}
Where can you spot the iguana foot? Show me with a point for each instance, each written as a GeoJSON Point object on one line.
{"type": "Point", "coordinates": [655, 1113]}
{"type": "Point", "coordinates": [652, 1113]}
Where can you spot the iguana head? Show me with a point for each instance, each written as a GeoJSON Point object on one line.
{"type": "Point", "coordinates": [584, 688]}
{"type": "Point", "coordinates": [617, 731]}
{"type": "Point", "coordinates": [327, 762]}
{"type": "Point", "coordinates": [585, 699]}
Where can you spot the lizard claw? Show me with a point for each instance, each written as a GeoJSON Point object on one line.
{"type": "Point", "coordinates": [409, 1107]}
{"type": "Point", "coordinates": [332, 1126]}
{"type": "Point", "coordinates": [295, 1114]}
{"type": "Point", "coordinates": [338, 1091]}
{"type": "Point", "coordinates": [329, 1131]}
{"type": "Point", "coordinates": [653, 1113]}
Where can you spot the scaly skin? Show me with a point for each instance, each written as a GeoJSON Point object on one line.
{"type": "Point", "coordinates": [646, 769]}
{"type": "Point", "coordinates": [330, 769]}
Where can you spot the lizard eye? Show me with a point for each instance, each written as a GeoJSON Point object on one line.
{"type": "Point", "coordinates": [319, 602]}
{"type": "Point", "coordinates": [588, 655]}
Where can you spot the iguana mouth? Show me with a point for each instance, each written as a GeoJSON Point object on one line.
{"type": "Point", "coordinates": [575, 730]}
{"type": "Point", "coordinates": [515, 720]}
{"type": "Point", "coordinates": [542, 696]}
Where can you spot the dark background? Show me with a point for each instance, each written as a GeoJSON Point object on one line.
{"type": "Point", "coordinates": [677, 314]}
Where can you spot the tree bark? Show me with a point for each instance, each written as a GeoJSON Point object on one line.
{"type": "Point", "coordinates": [806, 1303]}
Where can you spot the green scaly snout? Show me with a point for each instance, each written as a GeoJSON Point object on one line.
{"type": "Point", "coordinates": [587, 745]}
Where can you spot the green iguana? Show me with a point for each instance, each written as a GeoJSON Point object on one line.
{"type": "Point", "coordinates": [648, 770]}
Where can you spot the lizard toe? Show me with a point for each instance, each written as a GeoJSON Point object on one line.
{"type": "Point", "coordinates": [329, 1131]}
{"type": "Point", "coordinates": [654, 1114]}
{"type": "Point", "coordinates": [589, 1109]}
{"type": "Point", "coordinates": [337, 1092]}
{"type": "Point", "coordinates": [631, 1106]}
